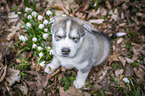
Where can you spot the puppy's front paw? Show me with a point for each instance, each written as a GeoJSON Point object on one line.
{"type": "Point", "coordinates": [79, 84]}
{"type": "Point", "coordinates": [48, 69]}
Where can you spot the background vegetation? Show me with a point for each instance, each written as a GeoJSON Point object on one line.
{"type": "Point", "coordinates": [24, 35]}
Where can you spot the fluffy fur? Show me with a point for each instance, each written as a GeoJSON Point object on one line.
{"type": "Point", "coordinates": [87, 48]}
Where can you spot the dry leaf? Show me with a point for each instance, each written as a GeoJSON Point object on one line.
{"type": "Point", "coordinates": [32, 85]}
{"type": "Point", "coordinates": [103, 11]}
{"type": "Point", "coordinates": [107, 68]}
{"type": "Point", "coordinates": [23, 89]}
{"type": "Point", "coordinates": [32, 72]}
{"type": "Point", "coordinates": [119, 72]}
{"type": "Point", "coordinates": [114, 14]}
{"type": "Point", "coordinates": [105, 83]}
{"type": "Point", "coordinates": [103, 74]}
{"type": "Point", "coordinates": [13, 31]}
{"type": "Point", "coordinates": [2, 76]}
{"type": "Point", "coordinates": [139, 73]}
{"type": "Point", "coordinates": [123, 60]}
{"type": "Point", "coordinates": [63, 69]}
{"type": "Point", "coordinates": [136, 53]}
{"type": "Point", "coordinates": [98, 11]}
{"type": "Point", "coordinates": [129, 60]}
{"type": "Point", "coordinates": [129, 71]}
{"type": "Point", "coordinates": [18, 60]}
{"type": "Point", "coordinates": [13, 75]}
{"type": "Point", "coordinates": [98, 21]}
{"type": "Point", "coordinates": [122, 24]}
{"type": "Point", "coordinates": [108, 4]}
{"type": "Point", "coordinates": [1, 56]}
{"type": "Point", "coordinates": [119, 40]}
{"type": "Point", "coordinates": [72, 91]}
{"type": "Point", "coordinates": [113, 57]}
{"type": "Point", "coordinates": [12, 17]}
{"type": "Point", "coordinates": [59, 12]}
{"type": "Point", "coordinates": [139, 14]}
{"type": "Point", "coordinates": [124, 6]}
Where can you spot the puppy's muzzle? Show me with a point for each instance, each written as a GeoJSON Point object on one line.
{"type": "Point", "coordinates": [65, 51]}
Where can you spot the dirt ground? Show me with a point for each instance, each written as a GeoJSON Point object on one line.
{"type": "Point", "coordinates": [127, 57]}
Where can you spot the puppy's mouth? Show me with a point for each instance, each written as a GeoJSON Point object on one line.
{"type": "Point", "coordinates": [65, 55]}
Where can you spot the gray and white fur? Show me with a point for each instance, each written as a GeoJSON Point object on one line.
{"type": "Point", "coordinates": [77, 45]}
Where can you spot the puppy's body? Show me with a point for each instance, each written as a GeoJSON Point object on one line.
{"type": "Point", "coordinates": [76, 45]}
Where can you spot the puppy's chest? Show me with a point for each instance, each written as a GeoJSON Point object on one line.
{"type": "Point", "coordinates": [73, 63]}
{"type": "Point", "coordinates": [67, 63]}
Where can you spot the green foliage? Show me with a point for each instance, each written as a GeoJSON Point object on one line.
{"type": "Point", "coordinates": [15, 8]}
{"type": "Point", "coordinates": [89, 84]}
{"type": "Point", "coordinates": [135, 64]}
{"type": "Point", "coordinates": [128, 45]}
{"type": "Point", "coordinates": [38, 28]}
{"type": "Point", "coordinates": [67, 82]}
{"type": "Point", "coordinates": [101, 91]}
{"type": "Point", "coordinates": [24, 65]}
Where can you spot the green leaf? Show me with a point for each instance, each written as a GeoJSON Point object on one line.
{"type": "Point", "coordinates": [34, 4]}
{"type": "Point", "coordinates": [22, 50]}
{"type": "Point", "coordinates": [101, 91]}
{"type": "Point", "coordinates": [15, 8]}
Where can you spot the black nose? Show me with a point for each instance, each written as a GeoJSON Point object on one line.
{"type": "Point", "coordinates": [65, 51]}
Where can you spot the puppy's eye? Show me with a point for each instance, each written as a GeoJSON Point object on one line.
{"type": "Point", "coordinates": [76, 39]}
{"type": "Point", "coordinates": [59, 37]}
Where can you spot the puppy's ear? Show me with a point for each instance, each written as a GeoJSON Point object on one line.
{"type": "Point", "coordinates": [55, 20]}
{"type": "Point", "coordinates": [87, 27]}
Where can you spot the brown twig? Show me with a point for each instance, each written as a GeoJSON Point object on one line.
{"type": "Point", "coordinates": [4, 73]}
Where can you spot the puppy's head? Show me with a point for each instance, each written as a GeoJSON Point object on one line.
{"type": "Point", "coordinates": [68, 35]}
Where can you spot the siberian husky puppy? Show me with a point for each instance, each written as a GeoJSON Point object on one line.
{"type": "Point", "coordinates": [77, 45]}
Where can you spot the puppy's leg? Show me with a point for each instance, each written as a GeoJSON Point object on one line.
{"type": "Point", "coordinates": [52, 66]}
{"type": "Point", "coordinates": [80, 79]}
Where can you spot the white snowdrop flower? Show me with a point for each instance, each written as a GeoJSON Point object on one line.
{"type": "Point", "coordinates": [34, 39]}
{"type": "Point", "coordinates": [28, 25]}
{"type": "Point", "coordinates": [40, 54]}
{"type": "Point", "coordinates": [51, 52]}
{"type": "Point", "coordinates": [41, 26]}
{"type": "Point", "coordinates": [48, 48]}
{"type": "Point", "coordinates": [34, 46]}
{"type": "Point", "coordinates": [45, 35]}
{"type": "Point", "coordinates": [25, 15]}
{"type": "Point", "coordinates": [45, 29]}
{"type": "Point", "coordinates": [28, 9]}
{"type": "Point", "coordinates": [95, 4]}
{"type": "Point", "coordinates": [23, 38]}
{"type": "Point", "coordinates": [40, 17]}
{"type": "Point", "coordinates": [126, 80]}
{"type": "Point", "coordinates": [20, 37]}
{"type": "Point", "coordinates": [48, 13]}
{"type": "Point", "coordinates": [22, 27]}
{"type": "Point", "coordinates": [42, 63]}
{"type": "Point", "coordinates": [19, 12]}
{"type": "Point", "coordinates": [29, 17]}
{"type": "Point", "coordinates": [39, 48]}
{"type": "Point", "coordinates": [51, 20]}
{"type": "Point", "coordinates": [34, 13]}
{"type": "Point", "coordinates": [45, 22]}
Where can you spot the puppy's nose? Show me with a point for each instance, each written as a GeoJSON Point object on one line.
{"type": "Point", "coordinates": [65, 51]}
